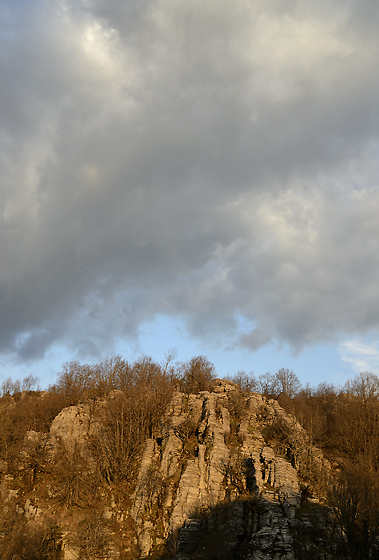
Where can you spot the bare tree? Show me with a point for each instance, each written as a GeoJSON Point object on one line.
{"type": "Point", "coordinates": [170, 357]}
{"type": "Point", "coordinates": [284, 382]}
{"type": "Point", "coordinates": [246, 381]}
{"type": "Point", "coordinates": [267, 385]}
{"type": "Point", "coordinates": [354, 498]}
{"type": "Point", "coordinates": [131, 416]}
{"type": "Point", "coordinates": [287, 382]}
{"type": "Point", "coordinates": [364, 386]}
{"type": "Point", "coordinates": [197, 375]}
{"type": "Point", "coordinates": [116, 447]}
{"type": "Point", "coordinates": [10, 386]}
{"type": "Point", "coordinates": [29, 383]}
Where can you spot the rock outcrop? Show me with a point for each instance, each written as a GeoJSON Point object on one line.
{"type": "Point", "coordinates": [211, 475]}
{"type": "Point", "coordinates": [211, 483]}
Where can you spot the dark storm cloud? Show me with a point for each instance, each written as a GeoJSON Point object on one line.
{"type": "Point", "coordinates": [207, 161]}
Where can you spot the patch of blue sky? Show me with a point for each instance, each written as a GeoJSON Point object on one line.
{"type": "Point", "coordinates": [329, 363]}
{"type": "Point", "coordinates": [318, 364]}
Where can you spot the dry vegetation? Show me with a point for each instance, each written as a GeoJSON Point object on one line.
{"type": "Point", "coordinates": [344, 423]}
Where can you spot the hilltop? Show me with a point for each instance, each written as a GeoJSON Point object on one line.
{"type": "Point", "coordinates": [148, 461]}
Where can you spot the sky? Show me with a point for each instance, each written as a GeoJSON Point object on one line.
{"type": "Point", "coordinates": [192, 175]}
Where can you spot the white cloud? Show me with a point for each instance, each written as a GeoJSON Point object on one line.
{"type": "Point", "coordinates": [360, 355]}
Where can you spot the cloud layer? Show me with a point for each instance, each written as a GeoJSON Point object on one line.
{"type": "Point", "coordinates": [208, 161]}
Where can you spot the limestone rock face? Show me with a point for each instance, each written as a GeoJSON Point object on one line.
{"type": "Point", "coordinates": [72, 425]}
{"type": "Point", "coordinates": [211, 475]}
{"type": "Point", "coordinates": [75, 425]}
{"type": "Point", "coordinates": [211, 484]}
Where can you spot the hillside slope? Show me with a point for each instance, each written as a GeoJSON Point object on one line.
{"type": "Point", "coordinates": [224, 475]}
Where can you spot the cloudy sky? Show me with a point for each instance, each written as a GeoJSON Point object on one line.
{"type": "Point", "coordinates": [199, 175]}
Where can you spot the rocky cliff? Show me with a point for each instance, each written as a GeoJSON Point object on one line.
{"type": "Point", "coordinates": [211, 483]}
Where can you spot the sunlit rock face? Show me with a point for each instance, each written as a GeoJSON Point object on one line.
{"type": "Point", "coordinates": [211, 481]}
{"type": "Point", "coordinates": [221, 479]}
